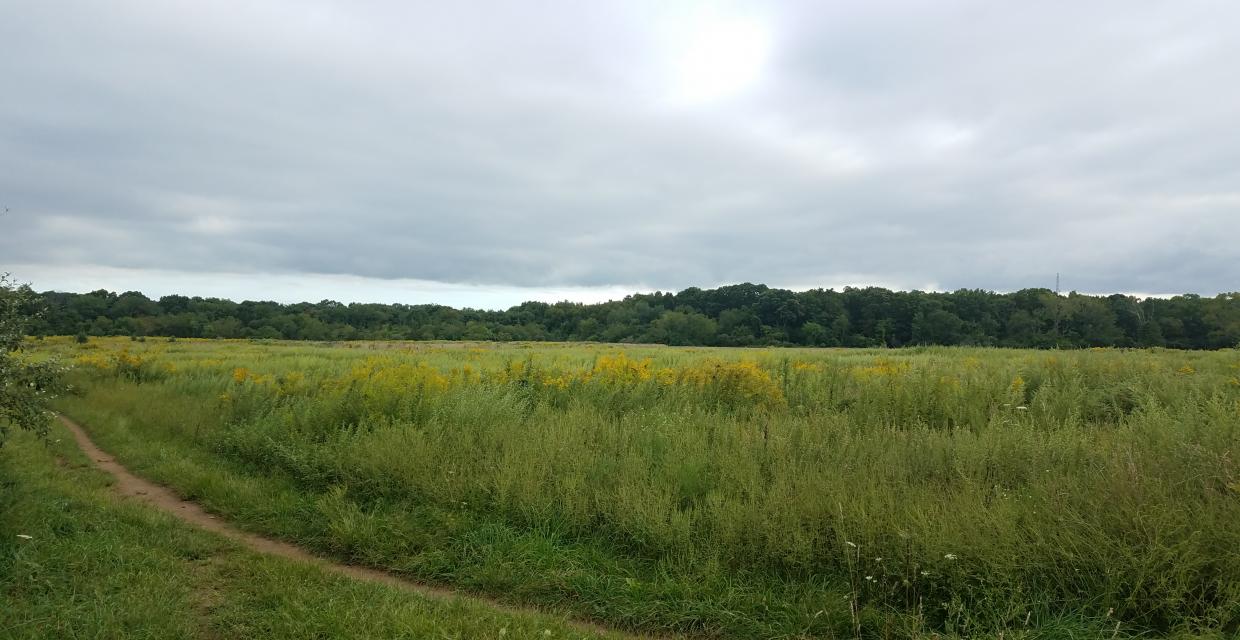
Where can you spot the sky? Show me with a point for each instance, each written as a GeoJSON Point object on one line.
{"type": "Point", "coordinates": [485, 153]}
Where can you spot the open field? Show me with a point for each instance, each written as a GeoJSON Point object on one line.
{"type": "Point", "coordinates": [727, 492]}
{"type": "Point", "coordinates": [76, 563]}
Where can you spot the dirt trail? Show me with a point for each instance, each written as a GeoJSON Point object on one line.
{"type": "Point", "coordinates": [129, 485]}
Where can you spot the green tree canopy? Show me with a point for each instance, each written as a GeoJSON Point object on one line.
{"type": "Point", "coordinates": [735, 315]}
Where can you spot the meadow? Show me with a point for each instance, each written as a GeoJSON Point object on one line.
{"type": "Point", "coordinates": [740, 493]}
{"type": "Point", "coordinates": [77, 563]}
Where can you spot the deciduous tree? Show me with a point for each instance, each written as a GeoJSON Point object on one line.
{"type": "Point", "coordinates": [26, 384]}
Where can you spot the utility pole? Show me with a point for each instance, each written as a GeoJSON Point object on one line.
{"type": "Point", "coordinates": [1057, 309]}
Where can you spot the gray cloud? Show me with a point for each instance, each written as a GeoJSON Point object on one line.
{"type": "Point", "coordinates": [910, 144]}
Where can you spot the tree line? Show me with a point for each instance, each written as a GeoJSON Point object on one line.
{"type": "Point", "coordinates": [736, 315]}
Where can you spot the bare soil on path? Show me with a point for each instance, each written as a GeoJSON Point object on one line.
{"type": "Point", "coordinates": [162, 498]}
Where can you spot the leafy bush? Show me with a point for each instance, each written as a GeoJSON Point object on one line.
{"type": "Point", "coordinates": [26, 384]}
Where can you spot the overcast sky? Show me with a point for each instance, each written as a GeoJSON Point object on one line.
{"type": "Point", "coordinates": [484, 153]}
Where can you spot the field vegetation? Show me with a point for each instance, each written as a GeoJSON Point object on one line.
{"type": "Point", "coordinates": [725, 492]}
{"type": "Point", "coordinates": [77, 563]}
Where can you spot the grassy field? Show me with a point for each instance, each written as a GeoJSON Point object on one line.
{"type": "Point", "coordinates": [76, 563]}
{"type": "Point", "coordinates": [723, 492]}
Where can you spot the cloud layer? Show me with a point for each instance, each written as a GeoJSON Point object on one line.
{"type": "Point", "coordinates": [559, 145]}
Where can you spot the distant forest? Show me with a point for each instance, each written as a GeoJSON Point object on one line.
{"type": "Point", "coordinates": [737, 315]}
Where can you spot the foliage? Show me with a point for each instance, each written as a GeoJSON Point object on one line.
{"type": "Point", "coordinates": [737, 315]}
{"type": "Point", "coordinates": [25, 383]}
{"type": "Point", "coordinates": [730, 492]}
{"type": "Point", "coordinates": [77, 563]}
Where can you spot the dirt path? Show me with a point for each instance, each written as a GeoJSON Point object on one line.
{"type": "Point", "coordinates": [129, 485]}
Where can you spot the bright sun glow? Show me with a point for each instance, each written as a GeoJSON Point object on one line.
{"type": "Point", "coordinates": [718, 57]}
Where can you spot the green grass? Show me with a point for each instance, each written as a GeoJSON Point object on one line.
{"type": "Point", "coordinates": [96, 567]}
{"type": "Point", "coordinates": [453, 546]}
{"type": "Point", "coordinates": [740, 493]}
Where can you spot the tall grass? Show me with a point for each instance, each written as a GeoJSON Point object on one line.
{"type": "Point", "coordinates": [77, 563]}
{"type": "Point", "coordinates": [966, 491]}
